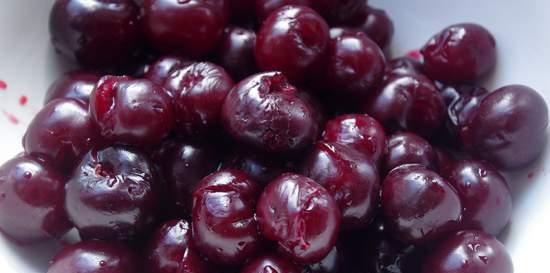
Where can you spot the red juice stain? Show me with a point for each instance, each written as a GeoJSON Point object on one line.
{"type": "Point", "coordinates": [532, 174]}
{"type": "Point", "coordinates": [23, 100]}
{"type": "Point", "coordinates": [415, 54]}
{"type": "Point", "coordinates": [11, 118]}
{"type": "Point", "coordinates": [3, 85]}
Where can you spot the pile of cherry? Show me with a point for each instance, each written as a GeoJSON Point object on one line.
{"type": "Point", "coordinates": [274, 137]}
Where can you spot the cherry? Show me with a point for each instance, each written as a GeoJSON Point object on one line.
{"type": "Point", "coordinates": [261, 167]}
{"type": "Point", "coordinates": [408, 148]}
{"type": "Point", "coordinates": [112, 195]}
{"type": "Point", "coordinates": [461, 107]}
{"type": "Point", "coordinates": [345, 12]}
{"type": "Point", "coordinates": [301, 216]}
{"type": "Point", "coordinates": [236, 52]}
{"type": "Point", "coordinates": [469, 252]}
{"type": "Point", "coordinates": [271, 263]}
{"type": "Point", "coordinates": [131, 111]}
{"type": "Point", "coordinates": [460, 53]}
{"type": "Point", "coordinates": [95, 257]}
{"type": "Point", "coordinates": [224, 227]}
{"type": "Point", "coordinates": [98, 34]}
{"type": "Point", "coordinates": [291, 40]}
{"type": "Point", "coordinates": [378, 26]}
{"type": "Point", "coordinates": [350, 177]}
{"type": "Point", "coordinates": [75, 84]}
{"type": "Point", "coordinates": [403, 66]}
{"type": "Point", "coordinates": [418, 206]}
{"type": "Point", "coordinates": [32, 198]}
{"type": "Point", "coordinates": [445, 159]}
{"type": "Point", "coordinates": [163, 67]}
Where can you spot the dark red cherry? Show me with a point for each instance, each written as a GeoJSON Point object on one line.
{"type": "Point", "coordinates": [191, 27]}
{"type": "Point", "coordinates": [418, 206]}
{"type": "Point", "coordinates": [75, 84]}
{"type": "Point", "coordinates": [291, 40]}
{"type": "Point", "coordinates": [462, 106]}
{"type": "Point", "coordinates": [301, 216]}
{"type": "Point", "coordinates": [266, 112]}
{"type": "Point", "coordinates": [378, 26]}
{"type": "Point", "coordinates": [32, 199]}
{"type": "Point", "coordinates": [264, 8]}
{"type": "Point", "coordinates": [171, 250]}
{"type": "Point", "coordinates": [261, 167]}
{"type": "Point", "coordinates": [408, 148]}
{"type": "Point", "coordinates": [344, 12]}
{"type": "Point", "coordinates": [131, 111]}
{"type": "Point", "coordinates": [96, 257]}
{"type": "Point", "coordinates": [161, 69]}
{"type": "Point", "coordinates": [273, 263]}
{"type": "Point", "coordinates": [408, 102]}
{"type": "Point", "coordinates": [98, 34]}
{"type": "Point", "coordinates": [484, 193]}
{"type": "Point", "coordinates": [112, 195]}
{"type": "Point", "coordinates": [460, 53]}
{"type": "Point", "coordinates": [224, 227]}
{"type": "Point", "coordinates": [509, 127]}
{"type": "Point", "coordinates": [469, 252]}
{"type": "Point", "coordinates": [61, 133]}
{"type": "Point", "coordinates": [351, 178]}
{"type": "Point", "coordinates": [199, 90]}
{"type": "Point", "coordinates": [445, 159]}
{"type": "Point", "coordinates": [236, 52]}
{"type": "Point", "coordinates": [336, 261]}
{"type": "Point", "coordinates": [403, 66]}
{"type": "Point", "coordinates": [358, 131]}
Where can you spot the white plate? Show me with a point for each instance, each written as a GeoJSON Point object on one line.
{"type": "Point", "coordinates": [28, 65]}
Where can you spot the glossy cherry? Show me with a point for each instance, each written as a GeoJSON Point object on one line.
{"type": "Point", "coordinates": [291, 40]}
{"type": "Point", "coordinates": [403, 66]}
{"type": "Point", "coordinates": [266, 112]}
{"type": "Point", "coordinates": [96, 257]}
{"type": "Point", "coordinates": [98, 34]}
{"type": "Point", "coordinates": [75, 84]}
{"type": "Point", "coordinates": [378, 26]}
{"type": "Point", "coordinates": [271, 263]}
{"type": "Point", "coordinates": [32, 198]}
{"type": "Point", "coordinates": [224, 227]}
{"type": "Point", "coordinates": [301, 216]}
{"type": "Point", "coordinates": [236, 52]}
{"type": "Point", "coordinates": [469, 252]}
{"type": "Point", "coordinates": [462, 105]}
{"type": "Point", "coordinates": [61, 133]}
{"type": "Point", "coordinates": [351, 178]}
{"type": "Point", "coordinates": [408, 148]}
{"type": "Point", "coordinates": [162, 68]}
{"type": "Point", "coordinates": [460, 53]}
{"type": "Point", "coordinates": [418, 206]}
{"type": "Point", "coordinates": [112, 195]}
{"type": "Point", "coordinates": [131, 111]}
{"type": "Point", "coordinates": [261, 167]}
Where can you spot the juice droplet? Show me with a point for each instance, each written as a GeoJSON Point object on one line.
{"type": "Point", "coordinates": [23, 100]}
{"type": "Point", "coordinates": [11, 118]}
{"type": "Point", "coordinates": [3, 85]}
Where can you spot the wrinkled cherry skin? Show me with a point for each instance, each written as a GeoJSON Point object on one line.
{"type": "Point", "coordinates": [358, 131]}
{"type": "Point", "coordinates": [509, 127]}
{"type": "Point", "coordinates": [464, 102]}
{"type": "Point", "coordinates": [335, 262]}
{"type": "Point", "coordinates": [199, 91]}
{"type": "Point", "coordinates": [403, 66]}
{"type": "Point", "coordinates": [131, 111]}
{"type": "Point", "coordinates": [61, 133]}
{"type": "Point", "coordinates": [351, 178]}
{"type": "Point", "coordinates": [172, 25]}
{"type": "Point", "coordinates": [96, 257]}
{"type": "Point", "coordinates": [266, 112]}
{"type": "Point", "coordinates": [261, 167]}
{"type": "Point", "coordinates": [76, 85]}
{"type": "Point", "coordinates": [484, 194]}
{"type": "Point", "coordinates": [98, 34]}
{"type": "Point", "coordinates": [418, 206]}
{"type": "Point", "coordinates": [224, 227]}
{"type": "Point", "coordinates": [271, 263]}
{"type": "Point", "coordinates": [460, 53]}
{"type": "Point", "coordinates": [469, 252]}
{"type": "Point", "coordinates": [408, 102]}
{"type": "Point", "coordinates": [354, 65]}
{"type": "Point", "coordinates": [112, 195]}
{"type": "Point", "coordinates": [291, 40]}
{"type": "Point", "coordinates": [236, 52]}
{"type": "Point", "coordinates": [160, 70]}
{"type": "Point", "coordinates": [301, 216]}
{"type": "Point", "coordinates": [170, 250]}
{"type": "Point", "coordinates": [408, 148]}
{"type": "Point", "coordinates": [378, 26]}
{"type": "Point", "coordinates": [32, 198]}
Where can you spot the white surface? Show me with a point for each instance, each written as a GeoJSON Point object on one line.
{"type": "Point", "coordinates": [28, 65]}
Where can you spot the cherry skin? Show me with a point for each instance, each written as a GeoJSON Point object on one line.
{"type": "Point", "coordinates": [484, 193]}
{"type": "Point", "coordinates": [378, 26]}
{"type": "Point", "coordinates": [271, 263]}
{"type": "Point", "coordinates": [403, 66]}
{"type": "Point", "coordinates": [61, 133]}
{"type": "Point", "coordinates": [264, 8]}
{"type": "Point", "coordinates": [445, 160]}
{"type": "Point", "coordinates": [418, 206]}
{"type": "Point", "coordinates": [224, 227]}
{"type": "Point", "coordinates": [291, 40]}
{"type": "Point", "coordinates": [469, 252]}
{"type": "Point", "coordinates": [170, 250]}
{"type": "Point", "coordinates": [261, 167]}
{"type": "Point", "coordinates": [112, 195]}
{"type": "Point", "coordinates": [131, 111]}
{"type": "Point", "coordinates": [236, 52]}
{"type": "Point", "coordinates": [32, 198]}
{"type": "Point", "coordinates": [464, 103]}
{"type": "Point", "coordinates": [95, 257]}
{"type": "Point", "coordinates": [344, 12]}
{"type": "Point", "coordinates": [162, 68]}
{"type": "Point", "coordinates": [199, 90]}
{"type": "Point", "coordinates": [76, 84]}
{"type": "Point", "coordinates": [358, 131]}
{"type": "Point", "coordinates": [460, 53]}
{"type": "Point", "coordinates": [98, 34]}
{"type": "Point", "coordinates": [266, 112]}
{"type": "Point", "coordinates": [509, 127]}
{"type": "Point", "coordinates": [350, 177]}
{"type": "Point", "coordinates": [408, 148]}
{"type": "Point", "coordinates": [172, 25]}
{"type": "Point", "coordinates": [301, 216]}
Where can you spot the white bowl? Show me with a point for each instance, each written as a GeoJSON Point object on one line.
{"type": "Point", "coordinates": [28, 65]}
